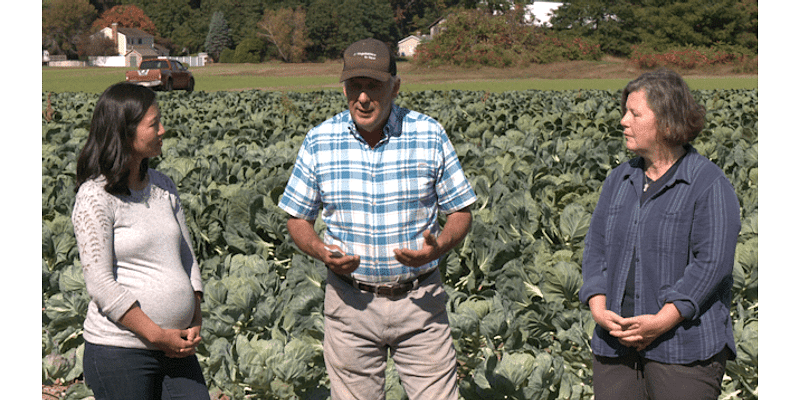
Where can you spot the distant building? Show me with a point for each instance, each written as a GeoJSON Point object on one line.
{"type": "Point", "coordinates": [407, 46]}
{"type": "Point", "coordinates": [437, 26]}
{"type": "Point", "coordinates": [133, 44]}
{"type": "Point", "coordinates": [538, 14]}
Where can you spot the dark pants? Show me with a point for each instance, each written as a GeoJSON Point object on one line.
{"type": "Point", "coordinates": [137, 374]}
{"type": "Point", "coordinates": [634, 377]}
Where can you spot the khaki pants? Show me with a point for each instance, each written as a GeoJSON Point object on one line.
{"type": "Point", "coordinates": [360, 327]}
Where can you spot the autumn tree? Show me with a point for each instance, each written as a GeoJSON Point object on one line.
{"type": "Point", "coordinates": [64, 22]}
{"type": "Point", "coordinates": [127, 16]}
{"type": "Point", "coordinates": [286, 29]}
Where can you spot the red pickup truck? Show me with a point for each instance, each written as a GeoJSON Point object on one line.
{"type": "Point", "coordinates": [162, 73]}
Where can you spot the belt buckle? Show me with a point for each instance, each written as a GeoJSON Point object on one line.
{"type": "Point", "coordinates": [394, 290]}
{"type": "Point", "coordinates": [385, 289]}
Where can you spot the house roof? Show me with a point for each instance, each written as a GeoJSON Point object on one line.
{"type": "Point", "coordinates": [437, 21]}
{"type": "Point", "coordinates": [133, 32]}
{"type": "Point", "coordinates": [407, 38]}
{"type": "Point", "coordinates": [144, 51]}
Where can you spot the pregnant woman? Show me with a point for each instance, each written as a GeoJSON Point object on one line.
{"type": "Point", "coordinates": [143, 322]}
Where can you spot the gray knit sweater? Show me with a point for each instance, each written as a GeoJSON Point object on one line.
{"type": "Point", "coordinates": [134, 249]}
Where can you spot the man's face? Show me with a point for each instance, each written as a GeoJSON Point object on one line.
{"type": "Point", "coordinates": [370, 102]}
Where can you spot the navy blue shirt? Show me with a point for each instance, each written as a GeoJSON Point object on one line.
{"type": "Point", "coordinates": [685, 238]}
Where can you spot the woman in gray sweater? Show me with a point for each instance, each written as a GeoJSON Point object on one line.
{"type": "Point", "coordinates": [143, 322]}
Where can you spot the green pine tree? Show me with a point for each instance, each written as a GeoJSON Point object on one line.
{"type": "Point", "coordinates": [219, 37]}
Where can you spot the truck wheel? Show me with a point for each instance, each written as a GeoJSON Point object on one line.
{"type": "Point", "coordinates": [168, 86]}
{"type": "Point", "coordinates": [190, 87]}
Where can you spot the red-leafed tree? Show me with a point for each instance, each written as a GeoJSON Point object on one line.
{"type": "Point", "coordinates": [127, 16]}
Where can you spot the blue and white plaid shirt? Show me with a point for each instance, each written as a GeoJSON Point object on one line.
{"type": "Point", "coordinates": [375, 200]}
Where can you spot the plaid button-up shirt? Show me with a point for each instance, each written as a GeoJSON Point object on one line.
{"type": "Point", "coordinates": [375, 200]}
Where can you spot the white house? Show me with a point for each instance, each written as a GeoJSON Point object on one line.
{"type": "Point", "coordinates": [133, 44]}
{"type": "Point", "coordinates": [127, 39]}
{"type": "Point", "coordinates": [407, 46]}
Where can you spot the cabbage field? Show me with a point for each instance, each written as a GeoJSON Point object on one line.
{"type": "Point", "coordinates": [536, 159]}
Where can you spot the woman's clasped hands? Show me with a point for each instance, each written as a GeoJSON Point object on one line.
{"type": "Point", "coordinates": [637, 332]}
{"type": "Point", "coordinates": [178, 343]}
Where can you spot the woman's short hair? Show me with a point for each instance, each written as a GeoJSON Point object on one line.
{"type": "Point", "coordinates": [680, 119]}
{"type": "Point", "coordinates": [108, 148]}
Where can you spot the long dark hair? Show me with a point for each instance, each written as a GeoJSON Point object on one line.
{"type": "Point", "coordinates": [680, 118]}
{"type": "Point", "coordinates": [108, 149]}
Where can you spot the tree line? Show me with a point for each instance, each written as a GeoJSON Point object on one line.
{"type": "Point", "coordinates": [315, 30]}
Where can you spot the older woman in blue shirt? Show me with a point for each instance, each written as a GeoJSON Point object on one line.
{"type": "Point", "coordinates": [658, 261]}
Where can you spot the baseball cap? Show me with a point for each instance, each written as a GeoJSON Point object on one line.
{"type": "Point", "coordinates": [369, 58]}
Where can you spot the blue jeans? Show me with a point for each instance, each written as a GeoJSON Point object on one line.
{"type": "Point", "coordinates": [138, 374]}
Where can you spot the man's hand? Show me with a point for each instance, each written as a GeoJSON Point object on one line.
{"type": "Point", "coordinates": [433, 247]}
{"type": "Point", "coordinates": [416, 258]}
{"type": "Point", "coordinates": [336, 259]}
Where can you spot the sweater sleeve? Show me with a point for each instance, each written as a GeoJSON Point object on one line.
{"type": "Point", "coordinates": [93, 221]}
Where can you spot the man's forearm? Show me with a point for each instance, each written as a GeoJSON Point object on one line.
{"type": "Point", "coordinates": [454, 230]}
{"type": "Point", "coordinates": [304, 236]}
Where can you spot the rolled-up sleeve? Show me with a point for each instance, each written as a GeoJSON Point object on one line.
{"type": "Point", "coordinates": [714, 233]}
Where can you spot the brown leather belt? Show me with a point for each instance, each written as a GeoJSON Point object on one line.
{"type": "Point", "coordinates": [387, 289]}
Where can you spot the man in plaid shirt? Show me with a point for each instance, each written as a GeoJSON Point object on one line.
{"type": "Point", "coordinates": [380, 174]}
